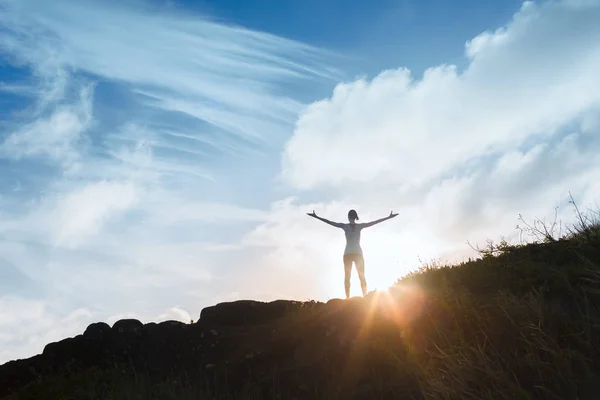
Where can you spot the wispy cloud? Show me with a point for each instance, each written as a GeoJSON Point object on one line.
{"type": "Point", "coordinates": [224, 75]}
{"type": "Point", "coordinates": [83, 211]}
{"type": "Point", "coordinates": [59, 136]}
{"type": "Point", "coordinates": [122, 151]}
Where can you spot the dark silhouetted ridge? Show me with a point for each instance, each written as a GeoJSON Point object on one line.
{"type": "Point", "coordinates": [523, 323]}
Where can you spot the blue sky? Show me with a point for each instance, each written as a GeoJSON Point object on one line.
{"type": "Point", "coordinates": [378, 35]}
{"type": "Point", "coordinates": [160, 156]}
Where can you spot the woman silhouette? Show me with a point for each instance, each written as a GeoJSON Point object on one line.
{"type": "Point", "coordinates": [353, 251]}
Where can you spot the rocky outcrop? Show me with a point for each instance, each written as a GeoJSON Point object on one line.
{"type": "Point", "coordinates": [128, 325]}
{"type": "Point", "coordinates": [249, 312]}
{"type": "Point", "coordinates": [97, 330]}
{"type": "Point", "coordinates": [154, 347]}
{"type": "Point", "coordinates": [231, 345]}
{"type": "Point", "coordinates": [342, 349]}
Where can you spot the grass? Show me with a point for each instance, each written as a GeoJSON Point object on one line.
{"type": "Point", "coordinates": [114, 384]}
{"type": "Point", "coordinates": [522, 322]}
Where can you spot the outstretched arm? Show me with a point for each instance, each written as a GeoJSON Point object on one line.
{"type": "Point", "coordinates": [368, 224]}
{"type": "Point", "coordinates": [314, 215]}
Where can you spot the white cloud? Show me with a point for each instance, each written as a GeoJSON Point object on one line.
{"type": "Point", "coordinates": [26, 326]}
{"type": "Point", "coordinates": [175, 314]}
{"type": "Point", "coordinates": [186, 211]}
{"type": "Point", "coordinates": [459, 154]}
{"type": "Point", "coordinates": [72, 217]}
{"type": "Point", "coordinates": [524, 82]}
{"type": "Point", "coordinates": [82, 213]}
{"type": "Point", "coordinates": [57, 137]}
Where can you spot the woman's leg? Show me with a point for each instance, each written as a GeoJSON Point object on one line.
{"type": "Point", "coordinates": [360, 267]}
{"type": "Point", "coordinates": [347, 271]}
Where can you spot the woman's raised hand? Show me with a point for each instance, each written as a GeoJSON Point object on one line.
{"type": "Point", "coordinates": [313, 214]}
{"type": "Point", "coordinates": [392, 215]}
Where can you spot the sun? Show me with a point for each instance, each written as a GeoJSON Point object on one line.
{"type": "Point", "coordinates": [384, 265]}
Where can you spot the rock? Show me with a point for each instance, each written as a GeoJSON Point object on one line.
{"type": "Point", "coordinates": [335, 302]}
{"type": "Point", "coordinates": [172, 345]}
{"type": "Point", "coordinates": [97, 330]}
{"type": "Point", "coordinates": [247, 312]}
{"type": "Point", "coordinates": [127, 325]}
{"type": "Point", "coordinates": [252, 354]}
{"type": "Point", "coordinates": [172, 323]}
{"type": "Point", "coordinates": [62, 346]}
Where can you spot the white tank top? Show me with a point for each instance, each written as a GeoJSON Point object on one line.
{"type": "Point", "coordinates": [352, 232]}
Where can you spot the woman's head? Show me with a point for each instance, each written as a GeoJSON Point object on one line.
{"type": "Point", "coordinates": [352, 216]}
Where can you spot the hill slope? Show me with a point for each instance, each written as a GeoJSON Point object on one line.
{"type": "Point", "coordinates": [523, 324]}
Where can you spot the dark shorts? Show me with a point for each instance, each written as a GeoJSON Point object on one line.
{"type": "Point", "coordinates": [355, 258]}
{"type": "Point", "coordinates": [358, 260]}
